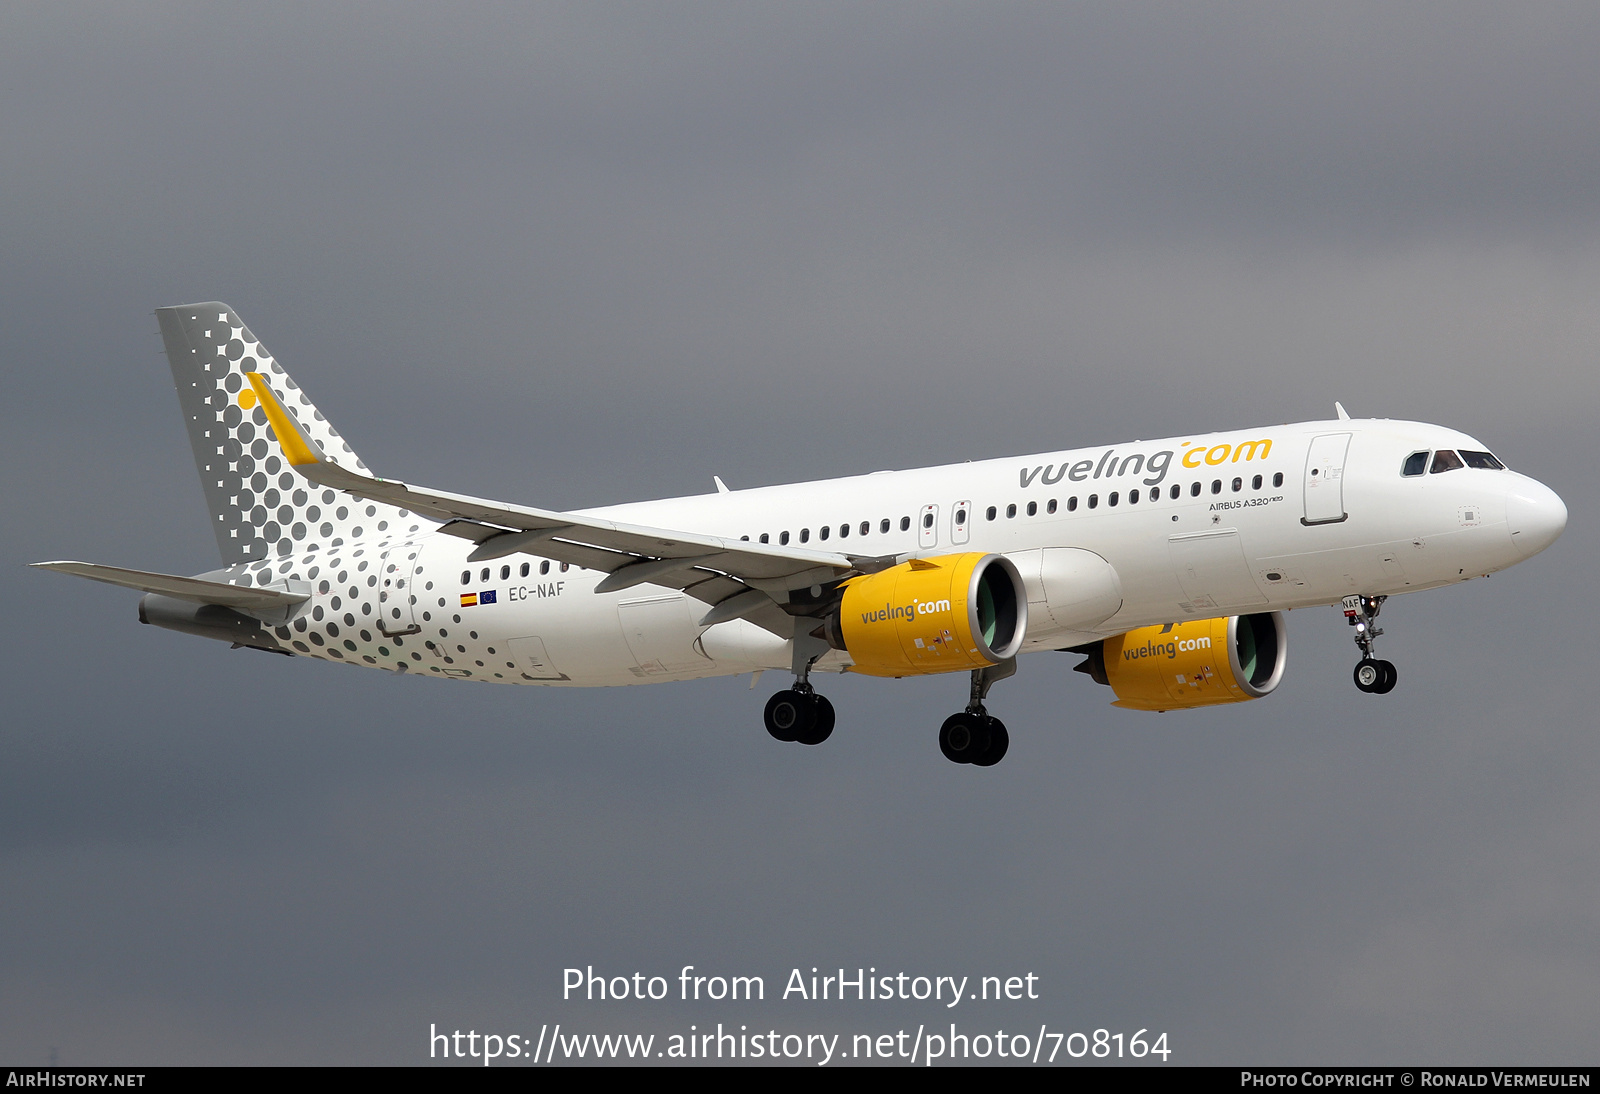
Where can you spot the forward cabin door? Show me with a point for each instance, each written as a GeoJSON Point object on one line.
{"type": "Point", "coordinates": [1324, 480]}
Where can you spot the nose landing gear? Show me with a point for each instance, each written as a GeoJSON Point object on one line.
{"type": "Point", "coordinates": [974, 736]}
{"type": "Point", "coordinates": [1371, 675]}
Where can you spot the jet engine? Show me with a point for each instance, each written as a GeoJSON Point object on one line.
{"type": "Point", "coordinates": [951, 613]}
{"type": "Point", "coordinates": [1199, 663]}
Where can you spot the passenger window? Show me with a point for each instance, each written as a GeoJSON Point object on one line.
{"type": "Point", "coordinates": [1051, 507]}
{"type": "Point", "coordinates": [1277, 480]}
{"type": "Point", "coordinates": [1176, 491]}
{"type": "Point", "coordinates": [989, 514]}
{"type": "Point", "coordinates": [883, 525]}
{"type": "Point", "coordinates": [783, 539]}
{"type": "Point", "coordinates": [822, 533]}
{"type": "Point", "coordinates": [466, 577]}
{"type": "Point", "coordinates": [1011, 510]}
{"type": "Point", "coordinates": [1194, 490]}
{"type": "Point", "coordinates": [565, 566]}
{"type": "Point", "coordinates": [1094, 500]}
{"type": "Point", "coordinates": [1255, 483]}
{"type": "Point", "coordinates": [484, 576]}
{"type": "Point", "coordinates": [1216, 486]}
{"type": "Point", "coordinates": [1112, 500]}
{"type": "Point", "coordinates": [523, 572]}
{"type": "Point", "coordinates": [1483, 461]}
{"type": "Point", "coordinates": [905, 523]}
{"type": "Point", "coordinates": [505, 573]}
{"type": "Point", "coordinates": [1072, 504]}
{"type": "Point", "coordinates": [764, 538]}
{"type": "Point", "coordinates": [1238, 485]}
{"type": "Point", "coordinates": [1033, 508]}
{"type": "Point", "coordinates": [927, 521]}
{"type": "Point", "coordinates": [844, 531]}
{"type": "Point", "coordinates": [1444, 460]}
{"type": "Point", "coordinates": [866, 526]}
{"type": "Point", "coordinates": [744, 539]}
{"type": "Point", "coordinates": [805, 535]}
{"type": "Point", "coordinates": [544, 567]}
{"type": "Point", "coordinates": [1415, 464]}
{"type": "Point", "coordinates": [961, 516]}
{"type": "Point", "coordinates": [1133, 497]}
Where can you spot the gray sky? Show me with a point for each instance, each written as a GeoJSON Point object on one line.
{"type": "Point", "coordinates": [572, 255]}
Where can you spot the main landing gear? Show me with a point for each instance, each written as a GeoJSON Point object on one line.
{"type": "Point", "coordinates": [974, 736]}
{"type": "Point", "coordinates": [1371, 675]}
{"type": "Point", "coordinates": [799, 714]}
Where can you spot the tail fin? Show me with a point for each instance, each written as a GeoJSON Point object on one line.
{"type": "Point", "coordinates": [260, 507]}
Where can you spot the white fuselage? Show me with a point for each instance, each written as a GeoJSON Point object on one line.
{"type": "Point", "coordinates": [1264, 520]}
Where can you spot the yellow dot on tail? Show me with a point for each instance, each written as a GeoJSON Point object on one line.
{"type": "Point", "coordinates": [247, 398]}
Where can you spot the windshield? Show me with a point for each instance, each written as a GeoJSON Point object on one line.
{"type": "Point", "coordinates": [1482, 460]}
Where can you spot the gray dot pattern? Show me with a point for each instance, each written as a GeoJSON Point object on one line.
{"type": "Point", "coordinates": [260, 508]}
{"type": "Point", "coordinates": [277, 529]}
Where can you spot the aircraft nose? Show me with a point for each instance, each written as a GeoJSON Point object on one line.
{"type": "Point", "coordinates": [1535, 516]}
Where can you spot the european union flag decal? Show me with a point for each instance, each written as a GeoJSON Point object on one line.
{"type": "Point", "coordinates": [486, 597]}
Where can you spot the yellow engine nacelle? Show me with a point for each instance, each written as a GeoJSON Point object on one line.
{"type": "Point", "coordinates": [946, 614]}
{"type": "Point", "coordinates": [1195, 664]}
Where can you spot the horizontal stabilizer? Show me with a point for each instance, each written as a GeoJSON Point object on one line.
{"type": "Point", "coordinates": [194, 589]}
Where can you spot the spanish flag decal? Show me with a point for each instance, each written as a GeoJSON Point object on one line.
{"type": "Point", "coordinates": [469, 600]}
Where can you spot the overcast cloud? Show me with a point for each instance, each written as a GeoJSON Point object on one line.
{"type": "Point", "coordinates": [569, 255]}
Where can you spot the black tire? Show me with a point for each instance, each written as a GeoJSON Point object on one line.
{"type": "Point", "coordinates": [1369, 675]}
{"type": "Point", "coordinates": [822, 721]}
{"type": "Point", "coordinates": [964, 738]}
{"type": "Point", "coordinates": [788, 715]}
{"type": "Point", "coordinates": [1386, 685]}
{"type": "Point", "coordinates": [999, 742]}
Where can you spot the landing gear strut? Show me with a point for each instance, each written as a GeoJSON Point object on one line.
{"type": "Point", "coordinates": [1371, 675]}
{"type": "Point", "coordinates": [974, 736]}
{"type": "Point", "coordinates": [800, 714]}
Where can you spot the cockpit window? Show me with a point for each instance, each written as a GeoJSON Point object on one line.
{"type": "Point", "coordinates": [1445, 460]}
{"type": "Point", "coordinates": [1483, 461]}
{"type": "Point", "coordinates": [1415, 464]}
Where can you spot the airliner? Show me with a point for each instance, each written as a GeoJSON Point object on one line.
{"type": "Point", "coordinates": [1165, 565]}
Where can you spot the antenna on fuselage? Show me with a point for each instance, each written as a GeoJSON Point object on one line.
{"type": "Point", "coordinates": [1344, 415]}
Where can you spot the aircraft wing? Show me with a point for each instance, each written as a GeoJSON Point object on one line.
{"type": "Point", "coordinates": [737, 577]}
{"type": "Point", "coordinates": [195, 589]}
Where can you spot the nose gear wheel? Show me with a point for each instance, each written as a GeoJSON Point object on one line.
{"type": "Point", "coordinates": [1373, 676]}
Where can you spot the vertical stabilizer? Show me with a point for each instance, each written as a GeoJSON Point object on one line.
{"type": "Point", "coordinates": [259, 507]}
